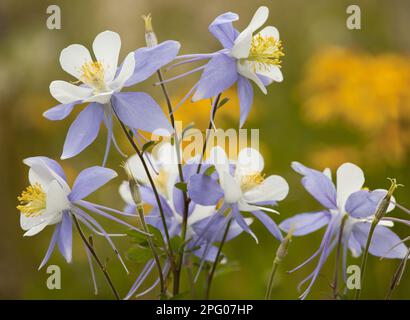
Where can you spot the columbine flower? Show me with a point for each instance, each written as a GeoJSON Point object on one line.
{"type": "Point", "coordinates": [205, 225]}
{"type": "Point", "coordinates": [100, 82]}
{"type": "Point", "coordinates": [242, 186]}
{"type": "Point", "coordinates": [50, 201]}
{"type": "Point", "coordinates": [345, 201]}
{"type": "Point", "coordinates": [246, 56]}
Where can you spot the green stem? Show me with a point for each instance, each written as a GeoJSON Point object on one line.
{"type": "Point", "coordinates": [398, 274]}
{"type": "Point", "coordinates": [180, 257]}
{"type": "Point", "coordinates": [96, 258]}
{"type": "Point", "coordinates": [215, 106]}
{"type": "Point", "coordinates": [151, 181]}
{"type": "Point", "coordinates": [338, 252]}
{"type": "Point", "coordinates": [364, 259]}
{"type": "Point", "coordinates": [213, 268]}
{"type": "Point", "coordinates": [140, 210]}
{"type": "Point", "coordinates": [275, 266]}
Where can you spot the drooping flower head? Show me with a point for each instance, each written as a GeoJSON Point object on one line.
{"type": "Point", "coordinates": [347, 200]}
{"type": "Point", "coordinates": [49, 200]}
{"type": "Point", "coordinates": [242, 186]}
{"type": "Point", "coordinates": [99, 81]}
{"type": "Point", "coordinates": [249, 55]}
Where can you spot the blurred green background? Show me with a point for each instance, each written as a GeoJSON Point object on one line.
{"type": "Point", "coordinates": [345, 97]}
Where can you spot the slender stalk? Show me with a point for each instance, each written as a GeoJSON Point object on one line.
{"type": "Point", "coordinates": [281, 253]}
{"type": "Point", "coordinates": [398, 274]}
{"type": "Point", "coordinates": [151, 181]}
{"type": "Point", "coordinates": [214, 108]}
{"type": "Point", "coordinates": [97, 259]}
{"type": "Point", "coordinates": [268, 293]}
{"type": "Point", "coordinates": [338, 252]}
{"type": "Point", "coordinates": [379, 214]}
{"type": "Point", "coordinates": [395, 281]}
{"type": "Point", "coordinates": [213, 268]}
{"type": "Point", "coordinates": [140, 210]}
{"type": "Point", "coordinates": [180, 256]}
{"type": "Point", "coordinates": [364, 259]}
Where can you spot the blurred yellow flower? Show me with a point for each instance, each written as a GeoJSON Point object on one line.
{"type": "Point", "coordinates": [369, 92]}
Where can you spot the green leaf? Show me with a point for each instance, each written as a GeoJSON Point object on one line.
{"type": "Point", "coordinates": [210, 170]}
{"type": "Point", "coordinates": [139, 254]}
{"type": "Point", "coordinates": [182, 186]}
{"type": "Point", "coordinates": [176, 243]}
{"type": "Point", "coordinates": [141, 239]}
{"type": "Point", "coordinates": [136, 237]}
{"type": "Point", "coordinates": [222, 102]}
{"type": "Point", "coordinates": [157, 237]}
{"type": "Point", "coordinates": [148, 145]}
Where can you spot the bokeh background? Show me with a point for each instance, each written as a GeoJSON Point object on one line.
{"type": "Point", "coordinates": [345, 97]}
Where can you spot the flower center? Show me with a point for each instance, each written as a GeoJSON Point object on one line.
{"type": "Point", "coordinates": [251, 181]}
{"type": "Point", "coordinates": [93, 75]}
{"type": "Point", "coordinates": [32, 201]}
{"type": "Point", "coordinates": [266, 51]}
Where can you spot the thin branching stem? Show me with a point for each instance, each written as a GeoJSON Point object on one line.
{"type": "Point", "coordinates": [398, 274]}
{"type": "Point", "coordinates": [151, 181]}
{"type": "Point", "coordinates": [337, 262]}
{"type": "Point", "coordinates": [214, 108]}
{"type": "Point", "coordinates": [180, 257]}
{"type": "Point", "coordinates": [364, 259]}
{"type": "Point", "coordinates": [272, 274]}
{"type": "Point", "coordinates": [216, 261]}
{"type": "Point", "coordinates": [96, 258]}
{"type": "Point", "coordinates": [140, 211]}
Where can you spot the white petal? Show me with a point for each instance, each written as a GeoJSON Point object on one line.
{"type": "Point", "coordinates": [259, 18]}
{"type": "Point", "coordinates": [270, 71]}
{"type": "Point", "coordinates": [219, 159]}
{"type": "Point", "coordinates": [65, 92]}
{"type": "Point", "coordinates": [328, 173]}
{"type": "Point", "coordinates": [137, 169]}
{"type": "Point", "coordinates": [167, 157]}
{"type": "Point", "coordinates": [350, 178]}
{"type": "Point", "coordinates": [34, 230]}
{"type": "Point", "coordinates": [231, 188]}
{"type": "Point", "coordinates": [40, 173]}
{"type": "Point", "coordinates": [244, 206]}
{"type": "Point", "coordinates": [57, 200]}
{"type": "Point", "coordinates": [200, 213]}
{"type": "Point", "coordinates": [72, 59]}
{"type": "Point", "coordinates": [273, 188]}
{"type": "Point", "coordinates": [106, 47]}
{"type": "Point", "coordinates": [270, 31]}
{"type": "Point", "coordinates": [245, 69]}
{"type": "Point", "coordinates": [125, 193]}
{"type": "Point", "coordinates": [242, 45]}
{"type": "Point", "coordinates": [249, 161]}
{"type": "Point", "coordinates": [103, 97]}
{"type": "Point", "coordinates": [126, 72]}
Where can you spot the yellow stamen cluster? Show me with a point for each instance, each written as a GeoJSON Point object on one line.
{"type": "Point", "coordinates": [32, 201]}
{"type": "Point", "coordinates": [266, 51]}
{"type": "Point", "coordinates": [93, 74]}
{"type": "Point", "coordinates": [252, 180]}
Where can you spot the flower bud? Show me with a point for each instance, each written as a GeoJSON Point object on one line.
{"type": "Point", "coordinates": [283, 247]}
{"type": "Point", "coordinates": [150, 37]}
{"type": "Point", "coordinates": [385, 202]}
